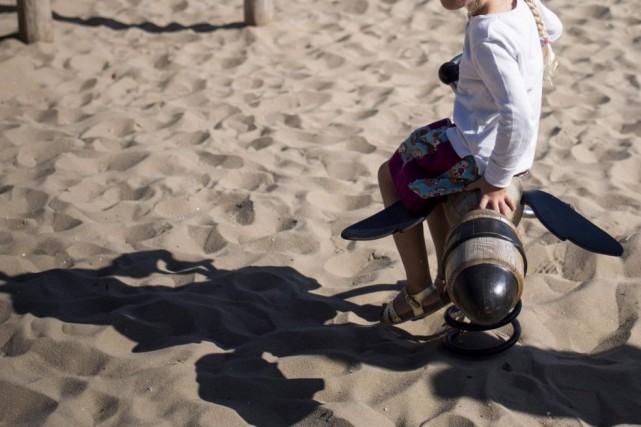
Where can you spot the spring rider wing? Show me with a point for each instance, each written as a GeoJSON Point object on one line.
{"type": "Point", "coordinates": [567, 224]}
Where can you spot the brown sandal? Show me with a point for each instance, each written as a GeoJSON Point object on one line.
{"type": "Point", "coordinates": [415, 301]}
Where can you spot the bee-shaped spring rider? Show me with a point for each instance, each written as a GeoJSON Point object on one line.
{"type": "Point", "coordinates": [484, 260]}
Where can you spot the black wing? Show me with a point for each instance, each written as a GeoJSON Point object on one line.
{"type": "Point", "coordinates": [566, 223]}
{"type": "Point", "coordinates": [393, 219]}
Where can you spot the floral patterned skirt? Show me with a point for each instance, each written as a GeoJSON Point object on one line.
{"type": "Point", "coordinates": [426, 166]}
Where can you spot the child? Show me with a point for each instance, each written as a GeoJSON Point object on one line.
{"type": "Point", "coordinates": [496, 114]}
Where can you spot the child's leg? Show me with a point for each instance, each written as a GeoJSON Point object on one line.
{"type": "Point", "coordinates": [439, 228]}
{"type": "Point", "coordinates": [411, 248]}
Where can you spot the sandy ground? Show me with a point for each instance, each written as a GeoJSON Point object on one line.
{"type": "Point", "coordinates": [172, 190]}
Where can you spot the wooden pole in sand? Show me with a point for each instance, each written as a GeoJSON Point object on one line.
{"type": "Point", "coordinates": [35, 22]}
{"type": "Point", "coordinates": [258, 12]}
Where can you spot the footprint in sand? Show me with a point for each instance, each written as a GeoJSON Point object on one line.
{"type": "Point", "coordinates": [21, 201]}
{"type": "Point", "coordinates": [344, 166]}
{"type": "Point", "coordinates": [87, 65]}
{"type": "Point", "coordinates": [221, 160]}
{"type": "Point", "coordinates": [359, 144]}
{"type": "Point", "coordinates": [85, 250]}
{"type": "Point", "coordinates": [595, 11]}
{"type": "Point", "coordinates": [63, 222]}
{"type": "Point", "coordinates": [337, 202]}
{"type": "Point", "coordinates": [357, 263]}
{"type": "Point", "coordinates": [627, 172]}
{"type": "Point", "coordinates": [356, 7]}
{"type": "Point", "coordinates": [110, 128]}
{"type": "Point", "coordinates": [141, 232]}
{"type": "Point", "coordinates": [245, 180]}
{"type": "Point", "coordinates": [25, 406]}
{"type": "Point", "coordinates": [124, 161]}
{"type": "Point", "coordinates": [190, 138]}
{"type": "Point", "coordinates": [632, 128]}
{"type": "Point", "coordinates": [180, 207]}
{"type": "Point", "coordinates": [130, 193]}
{"type": "Point", "coordinates": [244, 212]}
{"type": "Point", "coordinates": [43, 150]}
{"type": "Point", "coordinates": [261, 143]}
{"type": "Point", "coordinates": [214, 241]}
{"type": "Point", "coordinates": [58, 116]}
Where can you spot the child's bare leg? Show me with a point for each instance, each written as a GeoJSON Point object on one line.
{"type": "Point", "coordinates": [410, 246]}
{"type": "Point", "coordinates": [439, 228]}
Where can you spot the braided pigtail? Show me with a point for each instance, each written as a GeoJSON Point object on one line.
{"type": "Point", "coordinates": [549, 58]}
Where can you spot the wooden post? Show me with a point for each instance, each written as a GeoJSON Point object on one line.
{"type": "Point", "coordinates": [35, 22]}
{"type": "Point", "coordinates": [258, 12]}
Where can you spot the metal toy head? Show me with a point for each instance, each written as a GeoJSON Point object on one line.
{"type": "Point", "coordinates": [484, 261]}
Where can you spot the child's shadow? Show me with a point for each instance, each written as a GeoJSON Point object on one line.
{"type": "Point", "coordinates": [262, 318]}
{"type": "Point", "coordinates": [255, 315]}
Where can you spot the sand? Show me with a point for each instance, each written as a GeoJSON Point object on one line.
{"type": "Point", "coordinates": [172, 190]}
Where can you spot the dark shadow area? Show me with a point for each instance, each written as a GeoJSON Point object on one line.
{"type": "Point", "coordinates": [258, 315]}
{"type": "Point", "coordinates": [601, 389]}
{"type": "Point", "coordinates": [8, 9]}
{"type": "Point", "coordinates": [246, 312]}
{"type": "Point", "coordinates": [9, 36]}
{"type": "Point", "coordinates": [149, 27]}
{"type": "Point", "coordinates": [233, 302]}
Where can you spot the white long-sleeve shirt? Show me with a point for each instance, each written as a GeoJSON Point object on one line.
{"type": "Point", "coordinates": [498, 100]}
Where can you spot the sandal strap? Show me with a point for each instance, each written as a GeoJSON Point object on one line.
{"type": "Point", "coordinates": [445, 297]}
{"type": "Point", "coordinates": [415, 301]}
{"type": "Point", "coordinates": [390, 315]}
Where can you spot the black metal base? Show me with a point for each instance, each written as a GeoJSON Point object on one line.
{"type": "Point", "coordinates": [460, 327]}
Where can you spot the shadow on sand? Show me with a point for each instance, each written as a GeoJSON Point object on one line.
{"type": "Point", "coordinates": [149, 27]}
{"type": "Point", "coordinates": [257, 310]}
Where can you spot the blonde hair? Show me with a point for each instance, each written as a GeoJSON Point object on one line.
{"type": "Point", "coordinates": [550, 61]}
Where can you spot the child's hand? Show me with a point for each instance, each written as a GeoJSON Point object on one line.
{"type": "Point", "coordinates": [492, 197]}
